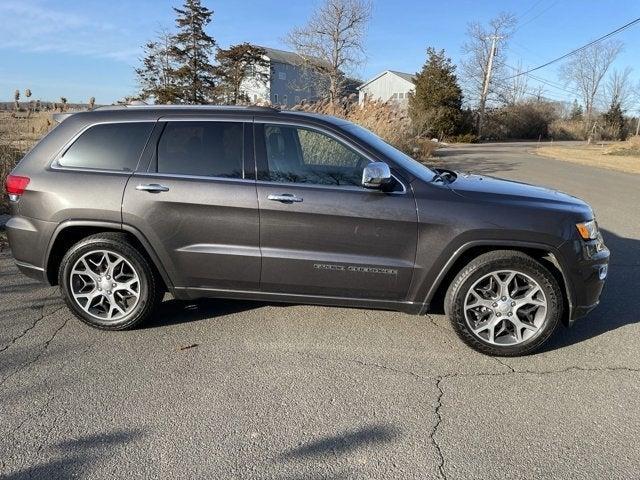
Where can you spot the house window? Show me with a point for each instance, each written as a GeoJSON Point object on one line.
{"type": "Point", "coordinates": [401, 95]}
{"type": "Point", "coordinates": [282, 75]}
{"type": "Point", "coordinates": [275, 98]}
{"type": "Point", "coordinates": [284, 99]}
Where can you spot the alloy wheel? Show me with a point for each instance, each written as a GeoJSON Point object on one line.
{"type": "Point", "coordinates": [505, 307]}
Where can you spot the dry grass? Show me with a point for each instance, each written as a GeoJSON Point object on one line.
{"type": "Point", "coordinates": [621, 156]}
{"type": "Point", "coordinates": [17, 135]}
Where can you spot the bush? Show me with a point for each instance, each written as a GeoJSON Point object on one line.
{"type": "Point", "coordinates": [524, 120]}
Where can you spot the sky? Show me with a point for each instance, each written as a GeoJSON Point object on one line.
{"type": "Point", "coordinates": [79, 49]}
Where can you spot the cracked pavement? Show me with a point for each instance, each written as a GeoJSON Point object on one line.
{"type": "Point", "coordinates": [229, 389]}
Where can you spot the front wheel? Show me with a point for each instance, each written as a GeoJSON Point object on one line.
{"type": "Point", "coordinates": [107, 283]}
{"type": "Point", "coordinates": [504, 303]}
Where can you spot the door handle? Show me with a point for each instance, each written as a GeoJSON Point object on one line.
{"type": "Point", "coordinates": [285, 198]}
{"type": "Point", "coordinates": [152, 188]}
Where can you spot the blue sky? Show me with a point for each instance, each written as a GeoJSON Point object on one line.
{"type": "Point", "coordinates": [79, 49]}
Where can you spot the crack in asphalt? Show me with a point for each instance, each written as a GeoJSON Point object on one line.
{"type": "Point", "coordinates": [41, 317]}
{"type": "Point", "coordinates": [37, 357]}
{"type": "Point", "coordinates": [434, 430]}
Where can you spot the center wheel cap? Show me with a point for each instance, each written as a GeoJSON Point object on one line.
{"type": "Point", "coordinates": [105, 284]}
{"type": "Point", "coordinates": [503, 307]}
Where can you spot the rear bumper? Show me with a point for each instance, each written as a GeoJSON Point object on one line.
{"type": "Point", "coordinates": [28, 239]}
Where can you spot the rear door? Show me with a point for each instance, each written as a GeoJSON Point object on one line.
{"type": "Point", "coordinates": [321, 233]}
{"type": "Point", "coordinates": [196, 202]}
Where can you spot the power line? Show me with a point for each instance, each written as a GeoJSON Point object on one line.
{"type": "Point", "coordinates": [573, 52]}
{"type": "Point", "coordinates": [537, 16]}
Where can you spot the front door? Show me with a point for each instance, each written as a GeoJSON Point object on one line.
{"type": "Point", "coordinates": [321, 233]}
{"type": "Point", "coordinates": [197, 205]}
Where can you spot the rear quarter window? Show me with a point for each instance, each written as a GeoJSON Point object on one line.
{"type": "Point", "coordinates": [109, 146]}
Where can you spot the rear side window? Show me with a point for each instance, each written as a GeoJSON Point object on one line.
{"type": "Point", "coordinates": [109, 146]}
{"type": "Point", "coordinates": [211, 149]}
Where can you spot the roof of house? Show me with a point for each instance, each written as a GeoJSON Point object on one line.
{"type": "Point", "coordinates": [291, 58]}
{"type": "Point", "coordinates": [409, 77]}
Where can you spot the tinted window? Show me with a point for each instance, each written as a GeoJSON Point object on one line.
{"type": "Point", "coordinates": [202, 148]}
{"type": "Point", "coordinates": [111, 146]}
{"type": "Point", "coordinates": [300, 155]}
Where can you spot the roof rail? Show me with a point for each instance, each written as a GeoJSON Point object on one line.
{"type": "Point", "coordinates": [188, 107]}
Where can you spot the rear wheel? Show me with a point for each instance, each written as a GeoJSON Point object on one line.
{"type": "Point", "coordinates": [504, 303]}
{"type": "Point", "coordinates": [107, 283]}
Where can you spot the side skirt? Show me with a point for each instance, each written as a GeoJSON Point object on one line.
{"type": "Point", "coordinates": [413, 308]}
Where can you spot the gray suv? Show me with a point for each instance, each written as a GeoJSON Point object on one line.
{"type": "Point", "coordinates": [120, 205]}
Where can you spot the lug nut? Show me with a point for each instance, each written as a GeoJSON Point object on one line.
{"type": "Point", "coordinates": [504, 299]}
{"type": "Point", "coordinates": [495, 304]}
{"type": "Point", "coordinates": [113, 285]}
{"type": "Point", "coordinates": [510, 313]}
{"type": "Point", "coordinates": [513, 304]}
{"type": "Point", "coordinates": [108, 277]}
{"type": "Point", "coordinates": [498, 314]}
{"type": "Point", "coordinates": [99, 289]}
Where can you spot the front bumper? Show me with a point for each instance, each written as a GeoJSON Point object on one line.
{"type": "Point", "coordinates": [585, 271]}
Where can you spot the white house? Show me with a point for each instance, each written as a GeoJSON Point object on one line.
{"type": "Point", "coordinates": [289, 82]}
{"type": "Point", "coordinates": [388, 86]}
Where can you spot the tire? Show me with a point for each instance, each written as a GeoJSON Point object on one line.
{"type": "Point", "coordinates": [84, 277]}
{"type": "Point", "coordinates": [489, 321]}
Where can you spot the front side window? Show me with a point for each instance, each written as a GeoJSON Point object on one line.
{"type": "Point", "coordinates": [212, 149]}
{"type": "Point", "coordinates": [301, 155]}
{"type": "Point", "coordinates": [108, 146]}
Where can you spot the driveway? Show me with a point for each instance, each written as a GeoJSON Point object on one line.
{"type": "Point", "coordinates": [222, 389]}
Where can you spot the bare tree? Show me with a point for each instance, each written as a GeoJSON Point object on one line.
{"type": "Point", "coordinates": [92, 103]}
{"type": "Point", "coordinates": [332, 42]}
{"type": "Point", "coordinates": [618, 89]}
{"type": "Point", "coordinates": [586, 69]}
{"type": "Point", "coordinates": [477, 52]}
{"type": "Point", "coordinates": [16, 100]}
{"type": "Point", "coordinates": [27, 94]}
{"type": "Point", "coordinates": [514, 89]}
{"type": "Point", "coordinates": [155, 75]}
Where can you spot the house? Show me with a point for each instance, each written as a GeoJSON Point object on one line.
{"type": "Point", "coordinates": [388, 86]}
{"type": "Point", "coordinates": [290, 82]}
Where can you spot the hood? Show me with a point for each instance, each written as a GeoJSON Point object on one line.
{"type": "Point", "coordinates": [490, 189]}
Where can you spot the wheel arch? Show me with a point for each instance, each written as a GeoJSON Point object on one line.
{"type": "Point", "coordinates": [548, 255]}
{"type": "Point", "coordinates": [72, 231]}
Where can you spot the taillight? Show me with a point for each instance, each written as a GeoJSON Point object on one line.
{"type": "Point", "coordinates": [15, 186]}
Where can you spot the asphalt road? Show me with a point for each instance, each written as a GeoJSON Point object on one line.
{"type": "Point", "coordinates": [247, 390]}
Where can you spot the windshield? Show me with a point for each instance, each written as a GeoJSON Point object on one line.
{"type": "Point", "coordinates": [405, 161]}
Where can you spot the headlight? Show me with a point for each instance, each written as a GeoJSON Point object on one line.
{"type": "Point", "coordinates": [588, 230]}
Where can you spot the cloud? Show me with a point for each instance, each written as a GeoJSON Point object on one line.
{"type": "Point", "coordinates": [32, 27]}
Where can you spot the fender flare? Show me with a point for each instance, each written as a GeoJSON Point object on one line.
{"type": "Point", "coordinates": [107, 225]}
{"type": "Point", "coordinates": [554, 250]}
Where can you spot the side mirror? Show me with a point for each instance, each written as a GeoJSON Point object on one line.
{"type": "Point", "coordinates": [376, 175]}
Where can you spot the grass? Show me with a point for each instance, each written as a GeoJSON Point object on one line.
{"type": "Point", "coordinates": [621, 156]}
{"type": "Point", "coordinates": [18, 133]}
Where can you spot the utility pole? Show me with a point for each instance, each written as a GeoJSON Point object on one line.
{"type": "Point", "coordinates": [487, 79]}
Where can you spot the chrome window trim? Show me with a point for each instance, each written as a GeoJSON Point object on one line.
{"type": "Point", "coordinates": [55, 165]}
{"type": "Point", "coordinates": [341, 141]}
{"type": "Point", "coordinates": [193, 177]}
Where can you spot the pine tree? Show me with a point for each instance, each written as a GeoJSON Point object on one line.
{"type": "Point", "coordinates": [238, 64]}
{"type": "Point", "coordinates": [155, 76]}
{"type": "Point", "coordinates": [614, 119]}
{"type": "Point", "coordinates": [192, 48]}
{"type": "Point", "coordinates": [435, 107]}
{"type": "Point", "coordinates": [576, 111]}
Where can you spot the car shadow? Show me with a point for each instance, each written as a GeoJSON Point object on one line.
{"type": "Point", "coordinates": [173, 311]}
{"type": "Point", "coordinates": [619, 302]}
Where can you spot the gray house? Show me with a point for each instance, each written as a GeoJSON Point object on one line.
{"type": "Point", "coordinates": [388, 86]}
{"type": "Point", "coordinates": [290, 82]}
